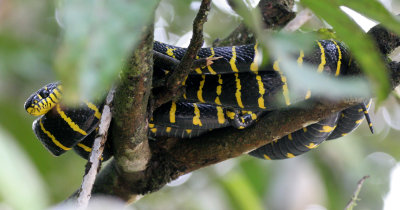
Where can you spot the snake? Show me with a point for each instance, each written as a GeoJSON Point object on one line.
{"type": "Point", "coordinates": [234, 90]}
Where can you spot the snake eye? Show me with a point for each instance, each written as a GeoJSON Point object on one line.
{"type": "Point", "coordinates": [44, 93]}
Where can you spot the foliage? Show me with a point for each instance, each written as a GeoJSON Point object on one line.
{"type": "Point", "coordinates": [97, 36]}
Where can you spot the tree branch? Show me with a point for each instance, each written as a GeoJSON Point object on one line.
{"type": "Point", "coordinates": [139, 169]}
{"type": "Point", "coordinates": [129, 125]}
{"type": "Point", "coordinates": [175, 80]}
{"type": "Point", "coordinates": [162, 61]}
{"type": "Point", "coordinates": [275, 15]}
{"type": "Point", "coordinates": [173, 157]}
{"type": "Point", "coordinates": [353, 201]}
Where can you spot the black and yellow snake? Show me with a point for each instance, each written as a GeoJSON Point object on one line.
{"type": "Point", "coordinates": [233, 91]}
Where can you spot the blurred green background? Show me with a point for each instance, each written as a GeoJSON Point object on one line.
{"type": "Point", "coordinates": [31, 33]}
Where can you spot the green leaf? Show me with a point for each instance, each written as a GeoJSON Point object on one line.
{"type": "Point", "coordinates": [361, 46]}
{"type": "Point", "coordinates": [375, 10]}
{"type": "Point", "coordinates": [21, 187]}
{"type": "Point", "coordinates": [97, 39]}
{"type": "Point", "coordinates": [323, 85]}
{"type": "Point", "coordinates": [302, 78]}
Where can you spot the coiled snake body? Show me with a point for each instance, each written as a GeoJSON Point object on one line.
{"type": "Point", "coordinates": [233, 91]}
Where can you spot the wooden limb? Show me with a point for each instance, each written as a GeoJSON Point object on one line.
{"type": "Point", "coordinates": [140, 166]}
{"type": "Point", "coordinates": [223, 144]}
{"type": "Point", "coordinates": [129, 126]}
{"type": "Point", "coordinates": [276, 13]}
{"type": "Point", "coordinates": [175, 157]}
{"type": "Point", "coordinates": [179, 75]}
{"type": "Point", "coordinates": [385, 40]}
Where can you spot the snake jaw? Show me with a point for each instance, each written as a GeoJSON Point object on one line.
{"type": "Point", "coordinates": [34, 111]}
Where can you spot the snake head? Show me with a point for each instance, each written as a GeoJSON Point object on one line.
{"type": "Point", "coordinates": [43, 100]}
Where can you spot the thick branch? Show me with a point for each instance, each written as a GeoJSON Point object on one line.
{"type": "Point", "coordinates": [173, 158]}
{"type": "Point", "coordinates": [229, 143]}
{"type": "Point", "coordinates": [129, 125]}
{"type": "Point", "coordinates": [129, 129]}
{"type": "Point", "coordinates": [130, 110]}
{"type": "Point", "coordinates": [223, 144]}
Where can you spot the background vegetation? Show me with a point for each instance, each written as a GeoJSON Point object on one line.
{"type": "Point", "coordinates": [32, 53]}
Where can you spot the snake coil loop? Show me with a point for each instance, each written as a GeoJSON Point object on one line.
{"type": "Point", "coordinates": [232, 91]}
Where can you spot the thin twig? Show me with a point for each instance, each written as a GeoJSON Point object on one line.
{"type": "Point", "coordinates": [94, 161]}
{"type": "Point", "coordinates": [182, 71]}
{"type": "Point", "coordinates": [175, 81]}
{"type": "Point", "coordinates": [162, 61]}
{"type": "Point", "coordinates": [352, 203]}
{"type": "Point", "coordinates": [172, 63]}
